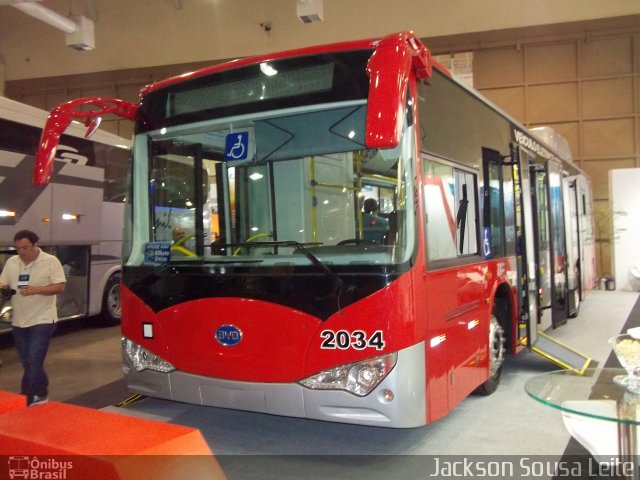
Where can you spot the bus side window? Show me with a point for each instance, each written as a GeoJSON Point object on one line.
{"type": "Point", "coordinates": [466, 223]}
{"type": "Point", "coordinates": [450, 202]}
{"type": "Point", "coordinates": [497, 205]}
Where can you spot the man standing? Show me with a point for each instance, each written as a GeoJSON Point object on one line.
{"type": "Point", "coordinates": [37, 278]}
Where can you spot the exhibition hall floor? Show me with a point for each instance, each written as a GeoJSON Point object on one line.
{"type": "Point", "coordinates": [84, 369]}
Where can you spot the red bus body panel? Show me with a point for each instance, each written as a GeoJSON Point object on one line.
{"type": "Point", "coordinates": [279, 344]}
{"type": "Point", "coordinates": [460, 301]}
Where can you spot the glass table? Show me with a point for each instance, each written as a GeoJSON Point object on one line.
{"type": "Point", "coordinates": [601, 414]}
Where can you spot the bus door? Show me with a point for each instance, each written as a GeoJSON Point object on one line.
{"type": "Point", "coordinates": [525, 247]}
{"type": "Point", "coordinates": [550, 240]}
{"type": "Point", "coordinates": [177, 206]}
{"type": "Point", "coordinates": [574, 245]}
{"type": "Point", "coordinates": [504, 213]}
{"type": "Point", "coordinates": [493, 214]}
{"type": "Point", "coordinates": [74, 301]}
{"type": "Point", "coordinates": [584, 236]}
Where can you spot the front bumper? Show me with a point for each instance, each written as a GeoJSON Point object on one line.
{"type": "Point", "coordinates": [407, 381]}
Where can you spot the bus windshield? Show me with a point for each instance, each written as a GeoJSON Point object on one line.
{"type": "Point", "coordinates": [273, 187]}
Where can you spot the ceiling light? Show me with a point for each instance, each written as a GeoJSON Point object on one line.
{"type": "Point", "coordinates": [267, 69]}
{"type": "Point", "coordinates": [310, 11]}
{"type": "Point", "coordinates": [83, 38]}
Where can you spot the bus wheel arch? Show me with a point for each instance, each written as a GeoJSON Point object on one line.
{"type": "Point", "coordinates": [111, 304]}
{"type": "Point", "coordinates": [499, 323]}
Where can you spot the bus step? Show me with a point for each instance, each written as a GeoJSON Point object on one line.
{"type": "Point", "coordinates": [561, 354]}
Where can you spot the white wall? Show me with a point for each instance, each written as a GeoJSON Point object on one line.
{"type": "Point", "coordinates": [145, 33]}
{"type": "Point", "coordinates": [624, 188]}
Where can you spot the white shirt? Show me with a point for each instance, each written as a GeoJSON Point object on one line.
{"type": "Point", "coordinates": [34, 309]}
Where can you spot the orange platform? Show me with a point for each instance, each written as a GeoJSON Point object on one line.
{"type": "Point", "coordinates": [11, 401]}
{"type": "Point", "coordinates": [88, 443]}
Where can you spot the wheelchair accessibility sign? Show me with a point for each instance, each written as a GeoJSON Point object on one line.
{"type": "Point", "coordinates": [236, 146]}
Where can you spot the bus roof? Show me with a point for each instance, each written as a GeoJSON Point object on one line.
{"type": "Point", "coordinates": [368, 44]}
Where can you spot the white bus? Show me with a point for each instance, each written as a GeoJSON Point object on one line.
{"type": "Point", "coordinates": [78, 216]}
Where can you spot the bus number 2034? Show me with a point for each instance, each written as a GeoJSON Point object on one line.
{"type": "Point", "coordinates": [343, 340]}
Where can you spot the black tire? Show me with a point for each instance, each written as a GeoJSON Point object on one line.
{"type": "Point", "coordinates": [111, 306]}
{"type": "Point", "coordinates": [496, 357]}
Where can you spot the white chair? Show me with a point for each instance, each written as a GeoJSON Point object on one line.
{"type": "Point", "coordinates": [599, 437]}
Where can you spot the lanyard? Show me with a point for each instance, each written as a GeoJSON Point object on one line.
{"type": "Point", "coordinates": [25, 273]}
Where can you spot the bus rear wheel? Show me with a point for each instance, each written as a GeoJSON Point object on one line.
{"type": "Point", "coordinates": [496, 357]}
{"type": "Point", "coordinates": [111, 306]}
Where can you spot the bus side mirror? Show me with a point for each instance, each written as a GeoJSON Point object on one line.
{"type": "Point", "coordinates": [92, 125]}
{"type": "Point", "coordinates": [60, 118]}
{"type": "Point", "coordinates": [389, 70]}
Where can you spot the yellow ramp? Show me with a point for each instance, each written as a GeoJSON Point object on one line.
{"type": "Point", "coordinates": [560, 353]}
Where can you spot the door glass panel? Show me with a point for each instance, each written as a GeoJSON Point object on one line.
{"type": "Point", "coordinates": [542, 220]}
{"type": "Point", "coordinates": [558, 245]}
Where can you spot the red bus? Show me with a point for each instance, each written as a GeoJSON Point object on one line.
{"type": "Point", "coordinates": [255, 279]}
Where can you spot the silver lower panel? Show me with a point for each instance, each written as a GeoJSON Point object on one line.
{"type": "Point", "coordinates": [406, 381]}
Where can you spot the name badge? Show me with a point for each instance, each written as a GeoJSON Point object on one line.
{"type": "Point", "coordinates": [23, 280]}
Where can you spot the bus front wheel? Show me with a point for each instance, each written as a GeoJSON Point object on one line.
{"type": "Point", "coordinates": [496, 357]}
{"type": "Point", "coordinates": [111, 306]}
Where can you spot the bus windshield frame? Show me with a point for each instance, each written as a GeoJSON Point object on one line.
{"type": "Point", "coordinates": [297, 193]}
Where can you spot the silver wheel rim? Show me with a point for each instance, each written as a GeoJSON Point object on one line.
{"type": "Point", "coordinates": [113, 301]}
{"type": "Point", "coordinates": [496, 343]}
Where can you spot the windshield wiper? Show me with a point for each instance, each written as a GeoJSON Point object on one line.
{"type": "Point", "coordinates": [301, 247]}
{"type": "Point", "coordinates": [169, 268]}
{"type": "Point", "coordinates": [232, 260]}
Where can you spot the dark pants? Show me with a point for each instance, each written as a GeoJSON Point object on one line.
{"type": "Point", "coordinates": [32, 344]}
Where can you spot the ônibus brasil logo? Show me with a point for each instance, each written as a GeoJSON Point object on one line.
{"type": "Point", "coordinates": [34, 468]}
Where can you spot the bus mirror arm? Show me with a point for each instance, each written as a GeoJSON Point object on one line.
{"type": "Point", "coordinates": [61, 117]}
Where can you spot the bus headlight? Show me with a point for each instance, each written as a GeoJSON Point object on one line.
{"type": "Point", "coordinates": [143, 359]}
{"type": "Point", "coordinates": [359, 378]}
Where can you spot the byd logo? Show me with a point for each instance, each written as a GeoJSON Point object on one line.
{"type": "Point", "coordinates": [228, 335]}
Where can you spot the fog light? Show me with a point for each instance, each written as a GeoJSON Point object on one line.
{"type": "Point", "coordinates": [388, 396]}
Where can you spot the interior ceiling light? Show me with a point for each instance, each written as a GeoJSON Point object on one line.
{"type": "Point", "coordinates": [310, 11]}
{"type": "Point", "coordinates": [267, 69]}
